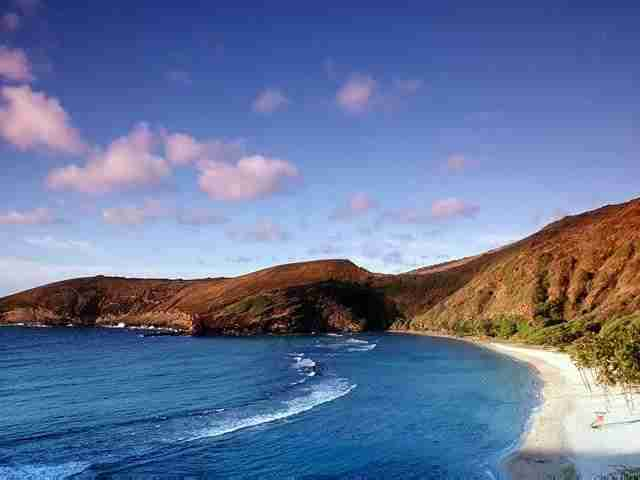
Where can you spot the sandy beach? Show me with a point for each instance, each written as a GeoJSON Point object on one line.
{"type": "Point", "coordinates": [560, 442]}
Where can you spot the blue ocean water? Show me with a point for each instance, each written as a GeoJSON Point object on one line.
{"type": "Point", "coordinates": [110, 403]}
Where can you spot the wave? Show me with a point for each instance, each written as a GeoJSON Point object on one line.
{"type": "Point", "coordinates": [43, 472]}
{"type": "Point", "coordinates": [363, 348]}
{"type": "Point", "coordinates": [356, 341]}
{"type": "Point", "coordinates": [317, 395]}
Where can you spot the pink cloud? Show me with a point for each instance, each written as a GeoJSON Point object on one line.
{"type": "Point", "coordinates": [250, 178]}
{"type": "Point", "coordinates": [32, 120]}
{"type": "Point", "coordinates": [270, 100]}
{"type": "Point", "coordinates": [127, 162]}
{"type": "Point", "coordinates": [457, 163]}
{"type": "Point", "coordinates": [151, 210]}
{"type": "Point", "coordinates": [359, 204]}
{"type": "Point", "coordinates": [14, 64]}
{"type": "Point", "coordinates": [356, 94]}
{"type": "Point", "coordinates": [10, 22]}
{"type": "Point", "coordinates": [182, 149]}
{"type": "Point", "coordinates": [39, 216]}
{"type": "Point", "coordinates": [453, 207]}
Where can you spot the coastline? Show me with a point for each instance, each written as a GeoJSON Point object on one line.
{"type": "Point", "coordinates": [558, 442]}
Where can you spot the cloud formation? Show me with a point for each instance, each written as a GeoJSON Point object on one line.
{"type": "Point", "coordinates": [264, 231]}
{"type": "Point", "coordinates": [39, 216]}
{"type": "Point", "coordinates": [127, 162]}
{"type": "Point", "coordinates": [359, 205]}
{"type": "Point", "coordinates": [457, 163]}
{"type": "Point", "coordinates": [200, 218]}
{"type": "Point", "coordinates": [355, 95]}
{"type": "Point", "coordinates": [443, 209]}
{"type": "Point", "coordinates": [250, 178]}
{"type": "Point", "coordinates": [150, 210]}
{"type": "Point", "coordinates": [270, 100]}
{"type": "Point", "coordinates": [51, 242]}
{"type": "Point", "coordinates": [14, 64]}
{"type": "Point", "coordinates": [31, 120]}
{"type": "Point", "coordinates": [453, 207]}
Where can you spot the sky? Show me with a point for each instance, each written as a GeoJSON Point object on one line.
{"type": "Point", "coordinates": [207, 139]}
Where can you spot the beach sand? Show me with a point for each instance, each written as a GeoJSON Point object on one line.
{"type": "Point", "coordinates": [560, 443]}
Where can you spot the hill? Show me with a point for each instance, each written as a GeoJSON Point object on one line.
{"type": "Point", "coordinates": [573, 276]}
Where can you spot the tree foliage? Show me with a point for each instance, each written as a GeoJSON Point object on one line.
{"type": "Point", "coordinates": [613, 354]}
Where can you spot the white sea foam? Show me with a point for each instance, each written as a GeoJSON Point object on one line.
{"type": "Point", "coordinates": [355, 340]}
{"type": "Point", "coordinates": [305, 363]}
{"type": "Point", "coordinates": [334, 335]}
{"type": "Point", "coordinates": [42, 472]}
{"type": "Point", "coordinates": [363, 348]}
{"type": "Point", "coordinates": [317, 395]}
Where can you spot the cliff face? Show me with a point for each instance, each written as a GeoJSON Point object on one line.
{"type": "Point", "coordinates": [582, 267]}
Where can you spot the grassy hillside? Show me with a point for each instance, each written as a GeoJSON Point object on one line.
{"type": "Point", "coordinates": [571, 278]}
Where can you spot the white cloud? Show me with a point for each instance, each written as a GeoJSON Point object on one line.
{"type": "Point", "coordinates": [270, 100]}
{"type": "Point", "coordinates": [127, 162]}
{"type": "Point", "coordinates": [250, 178]}
{"type": "Point", "coordinates": [356, 94]}
{"type": "Point", "coordinates": [30, 120]}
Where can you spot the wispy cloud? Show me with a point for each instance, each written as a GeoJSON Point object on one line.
{"type": "Point", "coordinates": [453, 207]}
{"type": "Point", "coordinates": [39, 216]}
{"type": "Point", "coordinates": [201, 218]}
{"type": "Point", "coordinates": [355, 95]}
{"type": "Point", "coordinates": [457, 163]}
{"type": "Point", "coordinates": [359, 204]}
{"type": "Point", "coordinates": [50, 242]}
{"type": "Point", "coordinates": [264, 231]}
{"type": "Point", "coordinates": [444, 209]}
{"type": "Point", "coordinates": [269, 101]}
{"type": "Point", "coordinates": [135, 215]}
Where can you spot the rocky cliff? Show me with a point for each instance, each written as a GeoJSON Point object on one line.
{"type": "Point", "coordinates": [573, 275]}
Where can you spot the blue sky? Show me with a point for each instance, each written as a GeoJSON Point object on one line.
{"type": "Point", "coordinates": [206, 140]}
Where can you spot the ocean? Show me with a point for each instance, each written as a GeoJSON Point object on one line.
{"type": "Point", "coordinates": [113, 403]}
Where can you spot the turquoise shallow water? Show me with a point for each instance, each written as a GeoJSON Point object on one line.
{"type": "Point", "coordinates": [109, 403]}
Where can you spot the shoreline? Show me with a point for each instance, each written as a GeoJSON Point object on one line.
{"type": "Point", "coordinates": [558, 441]}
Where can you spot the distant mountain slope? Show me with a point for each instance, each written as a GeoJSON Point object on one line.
{"type": "Point", "coordinates": [572, 275]}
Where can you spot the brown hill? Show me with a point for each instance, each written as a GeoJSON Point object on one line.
{"type": "Point", "coordinates": [573, 275]}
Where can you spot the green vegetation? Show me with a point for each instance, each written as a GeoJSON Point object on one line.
{"type": "Point", "coordinates": [548, 312]}
{"type": "Point", "coordinates": [253, 305]}
{"type": "Point", "coordinates": [613, 353]}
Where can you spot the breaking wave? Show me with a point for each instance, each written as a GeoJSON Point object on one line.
{"type": "Point", "coordinates": [316, 395]}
